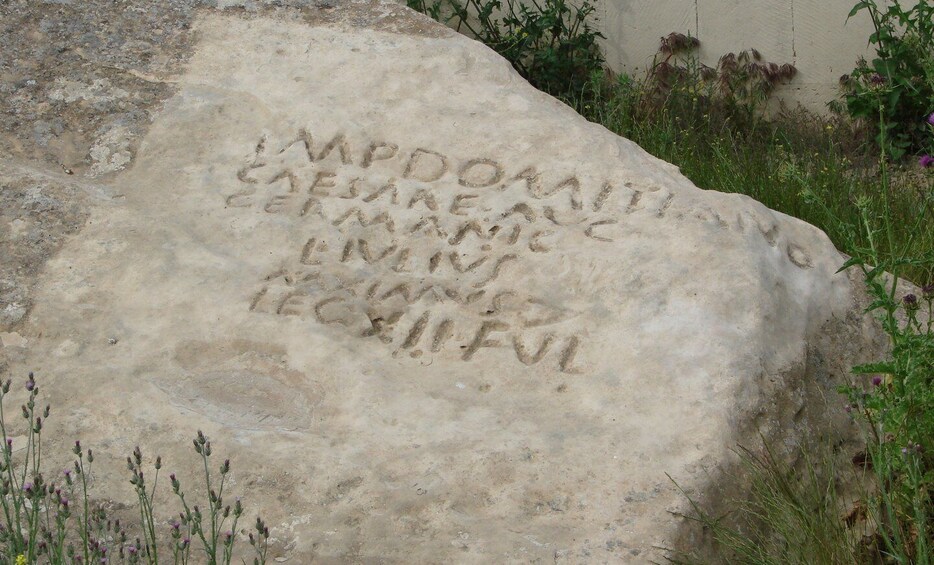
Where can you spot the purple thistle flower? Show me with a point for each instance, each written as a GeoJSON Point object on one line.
{"type": "Point", "coordinates": [876, 380]}
{"type": "Point", "coordinates": [928, 292]}
{"type": "Point", "coordinates": [910, 301]}
{"type": "Point", "coordinates": [926, 161]}
{"type": "Point", "coordinates": [930, 119]}
{"type": "Point", "coordinates": [31, 383]}
{"type": "Point", "coordinates": [876, 78]}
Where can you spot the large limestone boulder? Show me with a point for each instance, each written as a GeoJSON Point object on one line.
{"type": "Point", "coordinates": [430, 313]}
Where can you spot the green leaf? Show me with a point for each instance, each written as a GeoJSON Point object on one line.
{"type": "Point", "coordinates": [857, 8]}
{"type": "Point", "coordinates": [852, 261]}
{"type": "Point", "coordinates": [886, 367]}
{"type": "Point", "coordinates": [875, 272]}
{"type": "Point", "coordinates": [877, 304]}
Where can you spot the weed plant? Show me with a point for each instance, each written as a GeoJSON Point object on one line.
{"type": "Point", "coordinates": [885, 223]}
{"type": "Point", "coordinates": [549, 42]}
{"type": "Point", "coordinates": [55, 519]}
{"type": "Point", "coordinates": [899, 81]}
{"type": "Point", "coordinates": [893, 399]}
{"type": "Point", "coordinates": [794, 517]}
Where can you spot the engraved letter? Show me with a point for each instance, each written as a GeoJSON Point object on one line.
{"type": "Point", "coordinates": [258, 297]}
{"type": "Point", "coordinates": [798, 256]}
{"type": "Point", "coordinates": [287, 174]}
{"type": "Point", "coordinates": [589, 232]}
{"type": "Point", "coordinates": [523, 354]}
{"type": "Point", "coordinates": [372, 257]}
{"type": "Point", "coordinates": [324, 179]}
{"type": "Point", "coordinates": [241, 199]}
{"type": "Point", "coordinates": [524, 209]}
{"type": "Point", "coordinates": [567, 356]}
{"type": "Point", "coordinates": [460, 204]}
{"type": "Point", "coordinates": [312, 206]}
{"type": "Point", "coordinates": [430, 226]}
{"type": "Point", "coordinates": [574, 186]}
{"type": "Point", "coordinates": [471, 177]}
{"type": "Point", "coordinates": [388, 188]}
{"type": "Point", "coordinates": [471, 226]}
{"type": "Point", "coordinates": [365, 221]}
{"type": "Point", "coordinates": [307, 252]}
{"type": "Point", "coordinates": [341, 144]}
{"type": "Point", "coordinates": [306, 140]}
{"type": "Point", "coordinates": [601, 198]}
{"type": "Point", "coordinates": [416, 332]}
{"type": "Point", "coordinates": [352, 190]}
{"type": "Point", "coordinates": [276, 204]}
{"type": "Point", "coordinates": [425, 196]}
{"type": "Point", "coordinates": [379, 151]}
{"type": "Point", "coordinates": [533, 181]}
{"type": "Point", "coordinates": [480, 340]}
{"type": "Point", "coordinates": [443, 332]}
{"type": "Point", "coordinates": [381, 327]}
{"type": "Point", "coordinates": [426, 165]}
{"type": "Point", "coordinates": [535, 245]}
{"type": "Point", "coordinates": [496, 270]}
{"type": "Point", "coordinates": [321, 316]}
{"type": "Point", "coordinates": [290, 303]}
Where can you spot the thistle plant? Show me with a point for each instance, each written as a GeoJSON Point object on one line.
{"type": "Point", "coordinates": [899, 79]}
{"type": "Point", "coordinates": [209, 527]}
{"type": "Point", "coordinates": [259, 541]}
{"type": "Point", "coordinates": [895, 404]}
{"type": "Point", "coordinates": [59, 522]}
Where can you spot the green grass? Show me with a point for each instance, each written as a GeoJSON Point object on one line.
{"type": "Point", "coordinates": [810, 167]}
{"type": "Point", "coordinates": [829, 173]}
{"type": "Point", "coordinates": [793, 516]}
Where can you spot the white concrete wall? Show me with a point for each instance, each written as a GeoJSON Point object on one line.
{"type": "Point", "coordinates": [814, 35]}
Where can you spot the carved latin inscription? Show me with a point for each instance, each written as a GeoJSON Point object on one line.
{"type": "Point", "coordinates": [405, 247]}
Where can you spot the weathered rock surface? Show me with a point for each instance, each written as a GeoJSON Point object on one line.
{"type": "Point", "coordinates": [431, 314]}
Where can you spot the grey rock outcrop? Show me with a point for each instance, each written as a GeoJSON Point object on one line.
{"type": "Point", "coordinates": [432, 314]}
